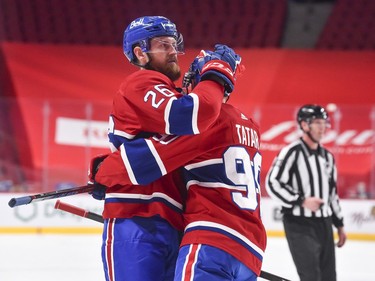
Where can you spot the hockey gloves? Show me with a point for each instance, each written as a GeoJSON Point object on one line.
{"type": "Point", "coordinates": [219, 65]}
{"type": "Point", "coordinates": [99, 190]}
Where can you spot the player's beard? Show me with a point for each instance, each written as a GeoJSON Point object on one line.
{"type": "Point", "coordinates": [169, 69]}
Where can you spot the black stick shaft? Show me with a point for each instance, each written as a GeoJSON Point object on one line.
{"type": "Point", "coordinates": [272, 277]}
{"type": "Point", "coordinates": [49, 195]}
{"type": "Point", "coordinates": [95, 217]}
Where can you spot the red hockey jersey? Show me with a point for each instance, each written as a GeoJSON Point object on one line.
{"type": "Point", "coordinates": [148, 102]}
{"type": "Point", "coordinates": [221, 168]}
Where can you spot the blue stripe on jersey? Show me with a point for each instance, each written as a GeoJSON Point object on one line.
{"type": "Point", "coordinates": [116, 140]}
{"type": "Point", "coordinates": [143, 164]}
{"type": "Point", "coordinates": [210, 173]}
{"type": "Point", "coordinates": [181, 116]}
{"type": "Point", "coordinates": [144, 201]}
{"type": "Point", "coordinates": [231, 236]}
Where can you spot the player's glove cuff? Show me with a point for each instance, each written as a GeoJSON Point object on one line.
{"type": "Point", "coordinates": [98, 192]}
{"type": "Point", "coordinates": [219, 71]}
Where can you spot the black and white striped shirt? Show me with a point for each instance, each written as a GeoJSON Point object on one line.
{"type": "Point", "coordinates": [299, 172]}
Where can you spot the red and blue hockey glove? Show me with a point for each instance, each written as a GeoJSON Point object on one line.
{"type": "Point", "coordinates": [219, 65]}
{"type": "Point", "coordinates": [99, 190]}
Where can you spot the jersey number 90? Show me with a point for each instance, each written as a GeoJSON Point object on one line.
{"type": "Point", "coordinates": [243, 172]}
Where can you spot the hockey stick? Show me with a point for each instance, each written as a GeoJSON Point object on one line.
{"type": "Point", "coordinates": [96, 217]}
{"type": "Point", "coordinates": [272, 277]}
{"type": "Point", "coordinates": [78, 211]}
{"type": "Point", "coordinates": [50, 195]}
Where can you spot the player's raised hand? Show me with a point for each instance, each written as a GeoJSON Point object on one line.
{"type": "Point", "coordinates": [219, 65]}
{"type": "Point", "coordinates": [228, 55]}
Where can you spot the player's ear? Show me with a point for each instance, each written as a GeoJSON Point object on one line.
{"type": "Point", "coordinates": [141, 56]}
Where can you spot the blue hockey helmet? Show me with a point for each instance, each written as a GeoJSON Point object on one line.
{"type": "Point", "coordinates": [142, 29]}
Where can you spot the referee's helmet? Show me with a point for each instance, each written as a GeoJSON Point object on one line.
{"type": "Point", "coordinates": [310, 112]}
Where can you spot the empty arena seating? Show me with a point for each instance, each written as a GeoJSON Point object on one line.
{"type": "Point", "coordinates": [350, 26]}
{"type": "Point", "coordinates": [240, 23]}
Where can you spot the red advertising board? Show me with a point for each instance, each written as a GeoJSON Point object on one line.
{"type": "Point", "coordinates": [63, 97]}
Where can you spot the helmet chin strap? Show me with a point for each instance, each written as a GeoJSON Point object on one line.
{"type": "Point", "coordinates": [310, 136]}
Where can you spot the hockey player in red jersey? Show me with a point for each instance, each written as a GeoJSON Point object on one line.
{"type": "Point", "coordinates": [142, 223]}
{"type": "Point", "coordinates": [149, 101]}
{"type": "Point", "coordinates": [224, 236]}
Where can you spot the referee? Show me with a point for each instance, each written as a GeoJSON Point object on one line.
{"type": "Point", "coordinates": [302, 180]}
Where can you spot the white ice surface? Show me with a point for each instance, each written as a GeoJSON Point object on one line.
{"type": "Point", "coordinates": [77, 258]}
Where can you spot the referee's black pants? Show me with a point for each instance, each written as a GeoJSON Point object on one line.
{"type": "Point", "coordinates": [312, 247]}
